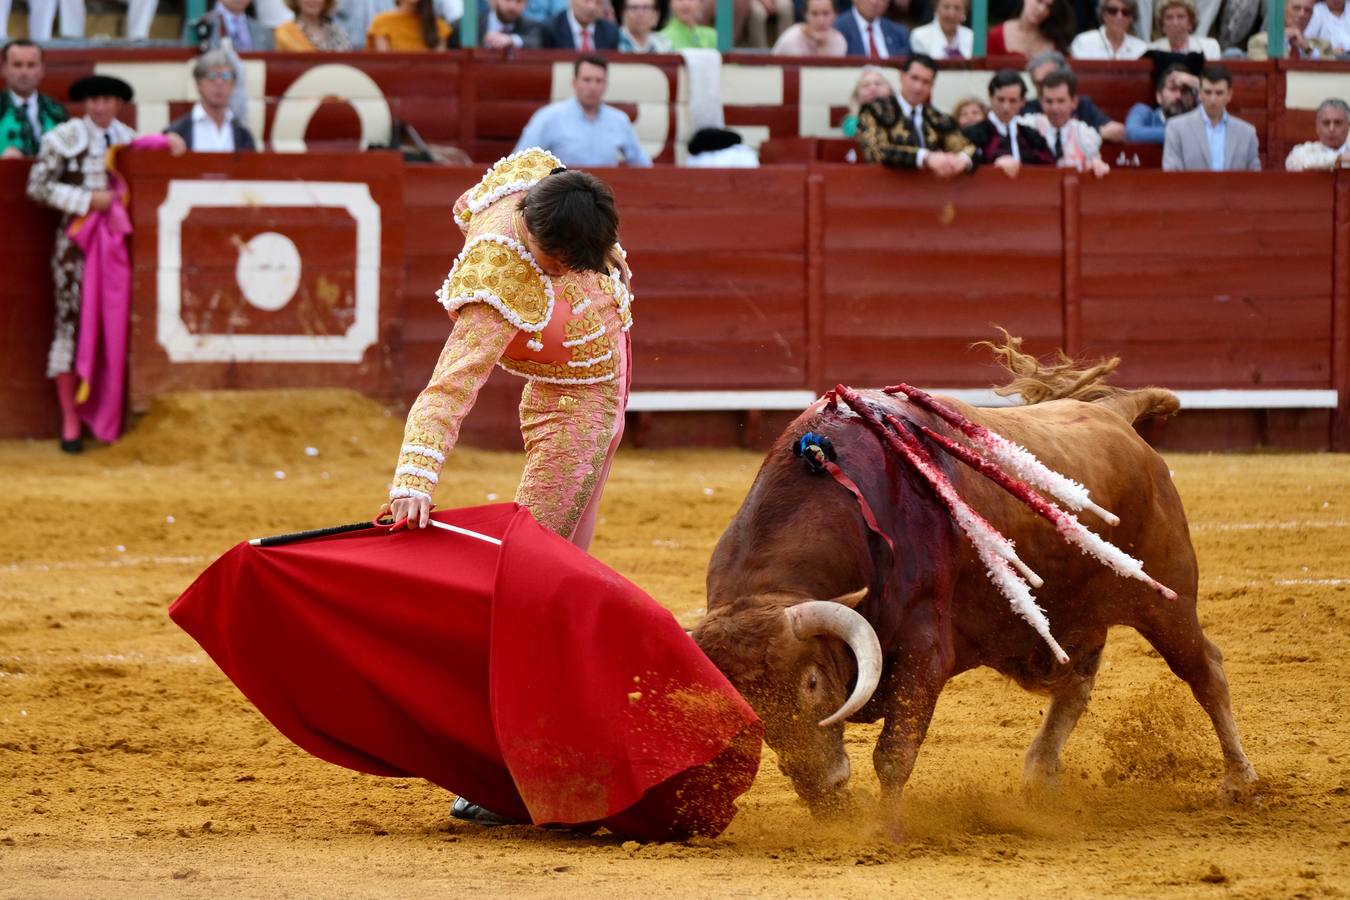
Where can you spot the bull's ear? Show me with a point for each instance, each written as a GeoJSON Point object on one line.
{"type": "Point", "coordinates": [851, 600]}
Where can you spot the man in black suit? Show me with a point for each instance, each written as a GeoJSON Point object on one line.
{"type": "Point", "coordinates": [579, 27]}
{"type": "Point", "coordinates": [999, 139]}
{"type": "Point", "coordinates": [211, 127]}
{"type": "Point", "coordinates": [502, 24]}
{"type": "Point", "coordinates": [906, 132]}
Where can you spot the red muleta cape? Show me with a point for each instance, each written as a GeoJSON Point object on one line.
{"type": "Point", "coordinates": [530, 676]}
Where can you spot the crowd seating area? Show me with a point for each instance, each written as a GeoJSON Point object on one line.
{"type": "Point", "coordinates": [479, 101]}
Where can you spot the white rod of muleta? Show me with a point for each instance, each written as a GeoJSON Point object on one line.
{"type": "Point", "coordinates": [464, 531]}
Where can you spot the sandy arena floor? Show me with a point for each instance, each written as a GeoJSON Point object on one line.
{"type": "Point", "coordinates": [130, 767]}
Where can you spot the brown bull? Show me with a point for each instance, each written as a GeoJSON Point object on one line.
{"type": "Point", "coordinates": [799, 558]}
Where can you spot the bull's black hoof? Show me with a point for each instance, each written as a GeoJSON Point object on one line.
{"type": "Point", "coordinates": [468, 811]}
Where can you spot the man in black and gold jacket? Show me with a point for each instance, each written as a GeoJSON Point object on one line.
{"type": "Point", "coordinates": [906, 132]}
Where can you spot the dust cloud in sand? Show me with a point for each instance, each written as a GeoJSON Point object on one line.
{"type": "Point", "coordinates": [129, 765]}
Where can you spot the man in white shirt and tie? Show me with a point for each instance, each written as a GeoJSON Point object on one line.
{"type": "Point", "coordinates": [1074, 143]}
{"type": "Point", "coordinates": [867, 31]}
{"type": "Point", "coordinates": [25, 115]}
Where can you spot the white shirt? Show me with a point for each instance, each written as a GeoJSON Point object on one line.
{"type": "Point", "coordinates": [577, 29]}
{"type": "Point", "coordinates": [1314, 156]}
{"type": "Point", "coordinates": [1330, 27]}
{"type": "Point", "coordinates": [915, 116]}
{"type": "Point", "coordinates": [1008, 131]}
{"type": "Point", "coordinates": [29, 106]}
{"type": "Point", "coordinates": [929, 39]}
{"type": "Point", "coordinates": [1207, 46]}
{"type": "Point", "coordinates": [875, 27]}
{"type": "Point", "coordinates": [207, 136]}
{"type": "Point", "coordinates": [1094, 45]}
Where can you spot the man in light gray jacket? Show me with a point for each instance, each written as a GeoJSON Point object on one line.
{"type": "Point", "coordinates": [1208, 139]}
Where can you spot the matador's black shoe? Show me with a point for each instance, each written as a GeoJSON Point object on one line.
{"type": "Point", "coordinates": [468, 811]}
{"type": "Point", "coordinates": [74, 445]}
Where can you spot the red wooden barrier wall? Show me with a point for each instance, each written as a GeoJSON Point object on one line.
{"type": "Point", "coordinates": [783, 277]}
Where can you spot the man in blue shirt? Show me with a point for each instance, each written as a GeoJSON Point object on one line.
{"type": "Point", "coordinates": [1178, 90]}
{"type": "Point", "coordinates": [583, 131]}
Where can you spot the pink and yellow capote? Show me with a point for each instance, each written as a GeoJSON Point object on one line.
{"type": "Point", "coordinates": [568, 337]}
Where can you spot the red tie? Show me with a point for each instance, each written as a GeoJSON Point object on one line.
{"type": "Point", "coordinates": [872, 41]}
{"type": "Point", "coordinates": [585, 40]}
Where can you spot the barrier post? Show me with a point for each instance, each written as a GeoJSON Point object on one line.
{"type": "Point", "coordinates": [1275, 28]}
{"type": "Point", "coordinates": [468, 25]}
{"type": "Point", "coordinates": [979, 23]}
{"type": "Point", "coordinates": [1073, 265]}
{"type": "Point", "coordinates": [815, 279]}
{"type": "Point", "coordinates": [1340, 312]}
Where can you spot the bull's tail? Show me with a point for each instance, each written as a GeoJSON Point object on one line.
{"type": "Point", "coordinates": [1064, 379]}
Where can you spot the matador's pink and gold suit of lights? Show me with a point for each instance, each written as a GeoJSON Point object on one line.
{"type": "Point", "coordinates": [567, 336]}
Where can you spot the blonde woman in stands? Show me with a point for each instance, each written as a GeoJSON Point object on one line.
{"type": "Point", "coordinates": [1112, 39]}
{"type": "Point", "coordinates": [1178, 20]}
{"type": "Point", "coordinates": [871, 84]}
{"type": "Point", "coordinates": [944, 37]}
{"type": "Point", "coordinates": [817, 36]}
{"type": "Point", "coordinates": [412, 26]}
{"type": "Point", "coordinates": [969, 110]}
{"type": "Point", "coordinates": [312, 29]}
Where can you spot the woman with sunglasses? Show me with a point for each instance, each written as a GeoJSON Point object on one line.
{"type": "Point", "coordinates": [1112, 40]}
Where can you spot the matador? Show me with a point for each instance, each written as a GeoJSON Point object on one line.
{"type": "Point", "coordinates": [541, 289]}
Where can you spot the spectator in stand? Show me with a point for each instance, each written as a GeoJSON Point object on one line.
{"type": "Point", "coordinates": [1074, 143]}
{"type": "Point", "coordinates": [42, 13]}
{"type": "Point", "coordinates": [871, 85]}
{"type": "Point", "coordinates": [312, 29]}
{"type": "Point", "coordinates": [545, 10]}
{"type": "Point", "coordinates": [231, 19]}
{"type": "Point", "coordinates": [1112, 39]}
{"type": "Point", "coordinates": [817, 36]}
{"type": "Point", "coordinates": [583, 130]}
{"type": "Point", "coordinates": [1177, 19]}
{"type": "Point", "coordinates": [684, 30]}
{"type": "Point", "coordinates": [867, 32]}
{"type": "Point", "coordinates": [210, 127]}
{"type": "Point", "coordinates": [1331, 23]}
{"type": "Point", "coordinates": [1086, 111]}
{"type": "Point", "coordinates": [1208, 139]}
{"type": "Point", "coordinates": [412, 26]}
{"type": "Point", "coordinates": [969, 110]}
{"type": "Point", "coordinates": [1178, 92]}
{"type": "Point", "coordinates": [1297, 17]}
{"type": "Point", "coordinates": [502, 24]}
{"type": "Point", "coordinates": [1331, 149]}
{"type": "Point", "coordinates": [945, 37]}
{"type": "Point", "coordinates": [638, 34]}
{"type": "Point", "coordinates": [766, 20]}
{"type": "Point", "coordinates": [1040, 26]}
{"type": "Point", "coordinates": [25, 115]}
{"type": "Point", "coordinates": [906, 132]}
{"type": "Point", "coordinates": [999, 139]}
{"type": "Point", "coordinates": [582, 27]}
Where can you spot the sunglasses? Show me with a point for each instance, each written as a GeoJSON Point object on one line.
{"type": "Point", "coordinates": [219, 76]}
{"type": "Point", "coordinates": [1117, 11]}
{"type": "Point", "coordinates": [637, 7]}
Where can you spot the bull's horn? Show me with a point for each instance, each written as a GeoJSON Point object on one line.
{"type": "Point", "coordinates": [825, 617]}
